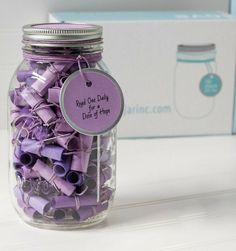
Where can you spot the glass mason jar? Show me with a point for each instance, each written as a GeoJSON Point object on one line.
{"type": "Point", "coordinates": [59, 178]}
{"type": "Point", "coordinates": [196, 75]}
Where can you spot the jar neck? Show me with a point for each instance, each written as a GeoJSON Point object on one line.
{"type": "Point", "coordinates": [92, 52]}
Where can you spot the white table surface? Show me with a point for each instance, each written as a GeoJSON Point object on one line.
{"type": "Point", "coordinates": [172, 194]}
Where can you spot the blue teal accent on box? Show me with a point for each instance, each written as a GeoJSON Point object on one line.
{"type": "Point", "coordinates": [210, 85]}
{"type": "Point", "coordinates": [233, 7]}
{"type": "Point", "coordinates": [140, 15]}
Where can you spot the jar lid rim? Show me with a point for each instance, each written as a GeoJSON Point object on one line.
{"type": "Point", "coordinates": [62, 31]}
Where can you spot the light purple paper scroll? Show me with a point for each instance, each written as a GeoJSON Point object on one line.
{"type": "Point", "coordinates": [40, 204]}
{"type": "Point", "coordinates": [74, 202]}
{"type": "Point", "coordinates": [81, 159]}
{"type": "Point", "coordinates": [47, 173]}
{"type": "Point", "coordinates": [40, 149]}
{"type": "Point", "coordinates": [48, 78]}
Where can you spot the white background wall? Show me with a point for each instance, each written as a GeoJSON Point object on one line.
{"type": "Point", "coordinates": [14, 14]}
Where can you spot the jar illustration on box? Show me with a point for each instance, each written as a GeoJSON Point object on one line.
{"type": "Point", "coordinates": [196, 83]}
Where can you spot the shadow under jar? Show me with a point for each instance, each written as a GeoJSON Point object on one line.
{"type": "Point", "coordinates": [60, 178]}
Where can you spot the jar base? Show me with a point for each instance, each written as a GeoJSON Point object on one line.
{"type": "Point", "coordinates": [92, 221]}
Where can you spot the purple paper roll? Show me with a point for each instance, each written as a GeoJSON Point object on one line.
{"type": "Point", "coordinates": [106, 193]}
{"type": "Point", "coordinates": [61, 168]}
{"type": "Point", "coordinates": [47, 79]}
{"type": "Point", "coordinates": [28, 159]}
{"type": "Point", "coordinates": [40, 204]}
{"type": "Point", "coordinates": [105, 175]}
{"type": "Point", "coordinates": [52, 152]}
{"type": "Point", "coordinates": [16, 97]}
{"type": "Point", "coordinates": [31, 146]}
{"type": "Point", "coordinates": [75, 178]}
{"type": "Point", "coordinates": [36, 147]}
{"type": "Point", "coordinates": [45, 113]}
{"type": "Point", "coordinates": [92, 170]}
{"type": "Point", "coordinates": [32, 213]}
{"type": "Point", "coordinates": [81, 159]}
{"type": "Point", "coordinates": [29, 173]}
{"type": "Point", "coordinates": [88, 212]}
{"type": "Point", "coordinates": [74, 202]}
{"type": "Point", "coordinates": [54, 94]}
{"type": "Point", "coordinates": [14, 113]}
{"type": "Point", "coordinates": [17, 151]}
{"type": "Point", "coordinates": [62, 127]}
{"type": "Point", "coordinates": [40, 132]}
{"type": "Point", "coordinates": [27, 186]}
{"type": "Point", "coordinates": [86, 145]}
{"type": "Point", "coordinates": [69, 142]}
{"type": "Point", "coordinates": [31, 97]}
{"type": "Point", "coordinates": [105, 156]}
{"type": "Point", "coordinates": [23, 75]}
{"type": "Point", "coordinates": [76, 163]}
{"type": "Point", "coordinates": [47, 173]}
{"type": "Point", "coordinates": [46, 188]}
{"type": "Point", "coordinates": [59, 214]}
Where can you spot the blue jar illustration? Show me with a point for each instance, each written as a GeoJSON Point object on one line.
{"type": "Point", "coordinates": [196, 83]}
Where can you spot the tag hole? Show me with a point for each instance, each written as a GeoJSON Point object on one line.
{"type": "Point", "coordinates": [88, 83]}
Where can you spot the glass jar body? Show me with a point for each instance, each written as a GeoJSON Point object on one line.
{"type": "Point", "coordinates": [59, 178]}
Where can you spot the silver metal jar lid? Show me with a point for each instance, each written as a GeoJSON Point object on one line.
{"type": "Point", "coordinates": [61, 32]}
{"type": "Point", "coordinates": [196, 48]}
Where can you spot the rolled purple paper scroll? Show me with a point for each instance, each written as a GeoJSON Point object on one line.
{"type": "Point", "coordinates": [17, 151]}
{"type": "Point", "coordinates": [92, 170]}
{"type": "Point", "coordinates": [32, 213]}
{"type": "Point", "coordinates": [105, 175]}
{"type": "Point", "coordinates": [105, 156]}
{"type": "Point", "coordinates": [27, 186]}
{"type": "Point", "coordinates": [59, 214]}
{"type": "Point", "coordinates": [16, 99]}
{"type": "Point", "coordinates": [36, 147]}
{"type": "Point", "coordinates": [47, 79]}
{"type": "Point", "coordinates": [45, 113]}
{"type": "Point", "coordinates": [47, 173]}
{"type": "Point", "coordinates": [106, 193]}
{"type": "Point", "coordinates": [61, 168]}
{"type": "Point", "coordinates": [87, 212]}
{"type": "Point", "coordinates": [54, 94]}
{"type": "Point", "coordinates": [74, 202]}
{"type": "Point", "coordinates": [75, 178]}
{"type": "Point", "coordinates": [46, 188]}
{"type": "Point", "coordinates": [23, 75]}
{"type": "Point", "coordinates": [29, 81]}
{"type": "Point", "coordinates": [69, 142]}
{"type": "Point", "coordinates": [31, 97]}
{"type": "Point", "coordinates": [63, 127]}
{"type": "Point", "coordinates": [28, 159]}
{"type": "Point", "coordinates": [40, 132]}
{"type": "Point", "coordinates": [40, 204]}
{"type": "Point", "coordinates": [14, 113]}
{"type": "Point", "coordinates": [80, 160]}
{"type": "Point", "coordinates": [52, 152]}
{"type": "Point", "coordinates": [29, 173]}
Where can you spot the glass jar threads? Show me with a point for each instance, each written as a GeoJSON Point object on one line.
{"type": "Point", "coordinates": [63, 109]}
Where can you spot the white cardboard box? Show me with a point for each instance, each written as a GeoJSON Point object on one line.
{"type": "Point", "coordinates": [176, 69]}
